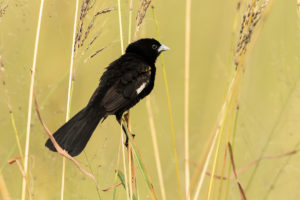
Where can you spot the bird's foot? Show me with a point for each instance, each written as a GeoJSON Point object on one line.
{"type": "Point", "coordinates": [127, 139]}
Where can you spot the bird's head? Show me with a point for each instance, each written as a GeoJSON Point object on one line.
{"type": "Point", "coordinates": [147, 48]}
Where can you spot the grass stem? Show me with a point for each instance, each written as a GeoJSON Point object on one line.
{"type": "Point", "coordinates": [70, 92]}
{"type": "Point", "coordinates": [27, 142]}
{"type": "Point", "coordinates": [169, 108]}
{"type": "Point", "coordinates": [186, 95]}
{"type": "Point", "coordinates": [155, 147]}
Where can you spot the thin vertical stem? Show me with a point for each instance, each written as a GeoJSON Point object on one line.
{"type": "Point", "coordinates": [130, 163]}
{"type": "Point", "coordinates": [169, 108]}
{"type": "Point", "coordinates": [155, 147]}
{"type": "Point", "coordinates": [130, 20]}
{"type": "Point", "coordinates": [120, 26]}
{"type": "Point", "coordinates": [186, 95]}
{"type": "Point", "coordinates": [124, 164]}
{"type": "Point", "coordinates": [11, 114]}
{"type": "Point", "coordinates": [70, 92]}
{"type": "Point", "coordinates": [30, 99]}
{"type": "Point", "coordinates": [122, 52]}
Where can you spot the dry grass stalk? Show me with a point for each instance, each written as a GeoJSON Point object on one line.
{"type": "Point", "coordinates": [141, 163]}
{"type": "Point", "coordinates": [70, 90]}
{"type": "Point", "coordinates": [94, 54]}
{"type": "Point", "coordinates": [91, 42]}
{"type": "Point", "coordinates": [249, 21]}
{"type": "Point", "coordinates": [186, 96]}
{"type": "Point", "coordinates": [8, 102]}
{"type": "Point", "coordinates": [127, 116]}
{"type": "Point", "coordinates": [3, 10]}
{"type": "Point", "coordinates": [90, 26]}
{"type": "Point", "coordinates": [155, 147]}
{"type": "Point", "coordinates": [27, 141]}
{"type": "Point", "coordinates": [111, 187]}
{"type": "Point", "coordinates": [124, 164]}
{"type": "Point", "coordinates": [234, 85]}
{"type": "Point", "coordinates": [121, 130]}
{"type": "Point", "coordinates": [117, 166]}
{"type": "Point", "coordinates": [169, 108]}
{"type": "Point", "coordinates": [3, 189]}
{"type": "Point", "coordinates": [243, 195]}
{"type": "Point", "coordinates": [59, 150]}
{"type": "Point", "coordinates": [120, 27]}
{"type": "Point", "coordinates": [85, 7]}
{"type": "Point", "coordinates": [130, 20]}
{"type": "Point", "coordinates": [82, 35]}
{"type": "Point", "coordinates": [141, 15]}
{"type": "Point", "coordinates": [208, 153]}
{"type": "Point", "coordinates": [131, 173]}
{"type": "Point", "coordinates": [247, 166]}
{"type": "Point", "coordinates": [16, 160]}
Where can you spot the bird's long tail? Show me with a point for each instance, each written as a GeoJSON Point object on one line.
{"type": "Point", "coordinates": [75, 134]}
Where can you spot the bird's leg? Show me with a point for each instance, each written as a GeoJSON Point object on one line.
{"type": "Point", "coordinates": [126, 117]}
{"type": "Point", "coordinates": [119, 118]}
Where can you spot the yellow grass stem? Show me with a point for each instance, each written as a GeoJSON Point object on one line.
{"type": "Point", "coordinates": [70, 92]}
{"type": "Point", "coordinates": [116, 172]}
{"type": "Point", "coordinates": [169, 108]}
{"type": "Point", "coordinates": [122, 135]}
{"type": "Point", "coordinates": [230, 68]}
{"type": "Point", "coordinates": [12, 119]}
{"type": "Point", "coordinates": [130, 178]}
{"type": "Point", "coordinates": [233, 142]}
{"type": "Point", "coordinates": [120, 27]}
{"type": "Point", "coordinates": [220, 123]}
{"type": "Point", "coordinates": [3, 189]}
{"type": "Point", "coordinates": [27, 142]}
{"type": "Point", "coordinates": [217, 152]}
{"type": "Point", "coordinates": [155, 147]}
{"type": "Point", "coordinates": [130, 163]}
{"type": "Point", "coordinates": [11, 114]}
{"type": "Point", "coordinates": [130, 20]}
{"type": "Point", "coordinates": [124, 164]}
{"type": "Point", "coordinates": [237, 84]}
{"type": "Point", "coordinates": [186, 96]}
{"type": "Point", "coordinates": [140, 162]}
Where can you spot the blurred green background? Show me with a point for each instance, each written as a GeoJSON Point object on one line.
{"type": "Point", "coordinates": [269, 107]}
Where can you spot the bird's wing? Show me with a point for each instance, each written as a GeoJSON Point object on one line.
{"type": "Point", "coordinates": [125, 91]}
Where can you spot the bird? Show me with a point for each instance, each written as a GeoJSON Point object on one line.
{"type": "Point", "coordinates": [125, 82]}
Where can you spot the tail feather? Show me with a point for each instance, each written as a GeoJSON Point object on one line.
{"type": "Point", "coordinates": [75, 134]}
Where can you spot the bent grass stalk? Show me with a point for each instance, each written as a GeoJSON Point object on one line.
{"type": "Point", "coordinates": [27, 142]}
{"type": "Point", "coordinates": [169, 108]}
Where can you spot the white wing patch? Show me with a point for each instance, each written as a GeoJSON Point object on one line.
{"type": "Point", "coordinates": [140, 89]}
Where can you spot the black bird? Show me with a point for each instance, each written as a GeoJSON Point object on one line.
{"type": "Point", "coordinates": [125, 82]}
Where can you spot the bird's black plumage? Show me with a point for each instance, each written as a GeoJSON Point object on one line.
{"type": "Point", "coordinates": [125, 82]}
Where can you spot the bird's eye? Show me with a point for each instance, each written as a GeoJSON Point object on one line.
{"type": "Point", "coordinates": [154, 46]}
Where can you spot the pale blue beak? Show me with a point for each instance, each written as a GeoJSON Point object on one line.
{"type": "Point", "coordinates": [162, 48]}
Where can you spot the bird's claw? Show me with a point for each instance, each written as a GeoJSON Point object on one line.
{"type": "Point", "coordinates": [126, 142]}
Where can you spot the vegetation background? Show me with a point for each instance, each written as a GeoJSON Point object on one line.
{"type": "Point", "coordinates": [269, 109]}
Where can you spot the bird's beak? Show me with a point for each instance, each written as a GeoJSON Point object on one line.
{"type": "Point", "coordinates": [162, 48]}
